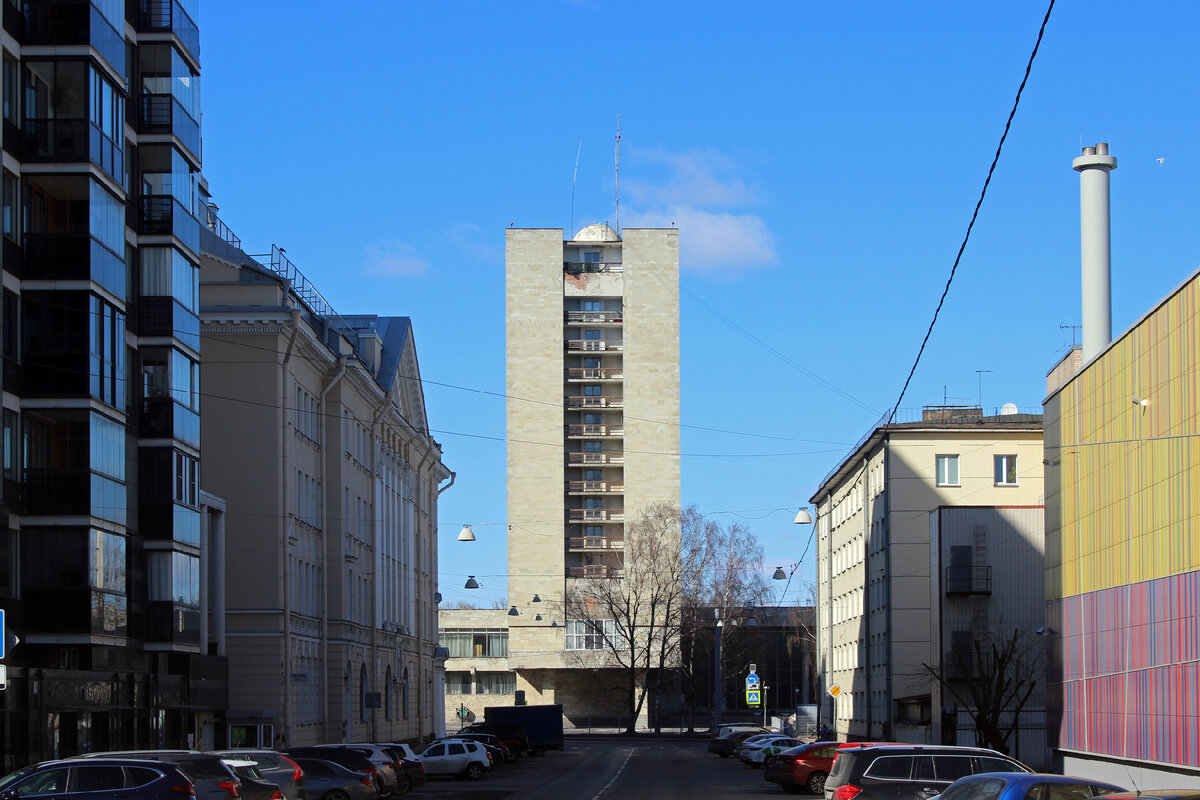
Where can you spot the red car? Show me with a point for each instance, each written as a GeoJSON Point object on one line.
{"type": "Point", "coordinates": [802, 768]}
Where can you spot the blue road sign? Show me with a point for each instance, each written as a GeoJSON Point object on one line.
{"type": "Point", "coordinates": [751, 680]}
{"type": "Point", "coordinates": [753, 697]}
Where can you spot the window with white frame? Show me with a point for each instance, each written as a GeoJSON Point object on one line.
{"type": "Point", "coordinates": [1006, 470]}
{"type": "Point", "coordinates": [589, 634]}
{"type": "Point", "coordinates": [947, 470]}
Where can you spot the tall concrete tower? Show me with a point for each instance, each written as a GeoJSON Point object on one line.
{"type": "Point", "coordinates": [1095, 247]}
{"type": "Point", "coordinates": [593, 426]}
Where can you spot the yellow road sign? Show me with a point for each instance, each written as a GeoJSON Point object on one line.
{"type": "Point", "coordinates": [753, 697]}
{"type": "Point", "coordinates": [834, 690]}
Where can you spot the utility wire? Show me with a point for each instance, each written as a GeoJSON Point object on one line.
{"type": "Point", "coordinates": [975, 215]}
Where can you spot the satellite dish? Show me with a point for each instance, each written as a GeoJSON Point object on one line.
{"type": "Point", "coordinates": [1008, 409]}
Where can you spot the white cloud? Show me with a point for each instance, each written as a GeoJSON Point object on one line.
{"type": "Point", "coordinates": [394, 260]}
{"type": "Point", "coordinates": [714, 242]}
{"type": "Point", "coordinates": [699, 194]}
{"type": "Point", "coordinates": [694, 178]}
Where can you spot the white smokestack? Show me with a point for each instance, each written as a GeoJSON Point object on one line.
{"type": "Point", "coordinates": [1095, 247]}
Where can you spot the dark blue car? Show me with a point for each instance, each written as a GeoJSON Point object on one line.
{"type": "Point", "coordinates": [99, 779]}
{"type": "Point", "coordinates": [1026, 786]}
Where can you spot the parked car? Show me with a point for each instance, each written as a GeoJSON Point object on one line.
{"type": "Point", "coordinates": [379, 759]}
{"type": "Point", "coordinates": [751, 741]}
{"type": "Point", "coordinates": [1020, 785]}
{"type": "Point", "coordinates": [412, 775]}
{"type": "Point", "coordinates": [728, 741]}
{"type": "Point", "coordinates": [254, 785]}
{"type": "Point", "coordinates": [329, 780]}
{"type": "Point", "coordinates": [513, 736]}
{"type": "Point", "coordinates": [99, 779]}
{"type": "Point", "coordinates": [213, 779]}
{"type": "Point", "coordinates": [276, 768]}
{"type": "Point", "coordinates": [491, 742]}
{"type": "Point", "coordinates": [756, 754]}
{"type": "Point", "coordinates": [404, 750]}
{"type": "Point", "coordinates": [455, 757]}
{"type": "Point", "coordinates": [908, 772]}
{"type": "Point", "coordinates": [353, 760]}
{"type": "Point", "coordinates": [802, 768]}
{"type": "Point", "coordinates": [1156, 794]}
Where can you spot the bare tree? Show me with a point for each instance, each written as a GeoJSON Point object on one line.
{"type": "Point", "coordinates": [721, 579]}
{"type": "Point", "coordinates": [635, 618]}
{"type": "Point", "coordinates": [993, 681]}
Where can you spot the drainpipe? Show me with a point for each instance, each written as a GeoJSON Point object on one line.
{"type": "Point", "coordinates": [285, 474]}
{"type": "Point", "coordinates": [325, 456]}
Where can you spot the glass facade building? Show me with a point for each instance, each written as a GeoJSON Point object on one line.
{"type": "Point", "coordinates": [101, 544]}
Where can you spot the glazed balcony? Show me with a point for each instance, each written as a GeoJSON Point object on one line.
{"type": "Point", "coordinates": [75, 22]}
{"type": "Point", "coordinates": [163, 215]}
{"type": "Point", "coordinates": [595, 345]}
{"type": "Point", "coordinates": [593, 317]}
{"type": "Point", "coordinates": [592, 431]}
{"type": "Point", "coordinates": [592, 374]}
{"type": "Point", "coordinates": [168, 16]}
{"type": "Point", "coordinates": [595, 487]}
{"type": "Point", "coordinates": [595, 458]}
{"type": "Point", "coordinates": [595, 515]}
{"type": "Point", "coordinates": [595, 571]}
{"type": "Point", "coordinates": [72, 140]}
{"type": "Point", "coordinates": [595, 401]}
{"type": "Point", "coordinates": [590, 544]}
{"type": "Point", "coordinates": [163, 114]}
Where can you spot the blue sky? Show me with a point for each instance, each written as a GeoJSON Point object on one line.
{"type": "Point", "coordinates": [821, 161]}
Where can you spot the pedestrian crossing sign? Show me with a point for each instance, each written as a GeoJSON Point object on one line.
{"type": "Point", "coordinates": [753, 697]}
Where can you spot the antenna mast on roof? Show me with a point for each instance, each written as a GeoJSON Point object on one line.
{"type": "Point", "coordinates": [617, 181]}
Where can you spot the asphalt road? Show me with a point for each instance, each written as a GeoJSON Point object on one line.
{"type": "Point", "coordinates": [613, 769]}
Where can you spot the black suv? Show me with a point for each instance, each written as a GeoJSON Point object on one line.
{"type": "Point", "coordinates": [908, 772]}
{"type": "Point", "coordinates": [513, 737]}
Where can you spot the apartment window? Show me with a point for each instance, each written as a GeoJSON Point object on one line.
{"type": "Point", "coordinates": [591, 257]}
{"type": "Point", "coordinates": [479, 643]}
{"type": "Point", "coordinates": [589, 634]}
{"type": "Point", "coordinates": [593, 447]}
{"type": "Point", "coordinates": [1006, 470]}
{"type": "Point", "coordinates": [11, 92]}
{"type": "Point", "coordinates": [593, 335]}
{"type": "Point", "coordinates": [166, 272]}
{"type": "Point", "coordinates": [495, 682]}
{"type": "Point", "coordinates": [186, 479]}
{"type": "Point", "coordinates": [593, 390]}
{"type": "Point", "coordinates": [947, 470]}
{"type": "Point", "coordinates": [593, 305]}
{"type": "Point", "coordinates": [458, 682]}
{"type": "Point", "coordinates": [11, 208]}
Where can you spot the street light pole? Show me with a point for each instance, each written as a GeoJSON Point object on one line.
{"type": "Point", "coordinates": [718, 694]}
{"type": "Point", "coordinates": [764, 704]}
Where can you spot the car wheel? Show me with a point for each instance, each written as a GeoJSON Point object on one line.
{"type": "Point", "coordinates": [510, 755]}
{"type": "Point", "coordinates": [816, 783]}
{"type": "Point", "coordinates": [474, 770]}
{"type": "Point", "coordinates": [754, 764]}
{"type": "Point", "coordinates": [403, 785]}
{"type": "Point", "coordinates": [336, 794]}
{"type": "Point", "coordinates": [513, 751]}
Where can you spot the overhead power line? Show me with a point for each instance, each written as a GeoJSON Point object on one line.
{"type": "Point", "coordinates": [975, 214]}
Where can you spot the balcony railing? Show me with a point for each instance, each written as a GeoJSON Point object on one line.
{"type": "Point", "coordinates": [595, 487]}
{"type": "Point", "coordinates": [166, 15]}
{"type": "Point", "coordinates": [576, 267]}
{"type": "Point", "coordinates": [968, 580]}
{"type": "Point", "coordinates": [594, 317]}
{"type": "Point", "coordinates": [595, 458]}
{"type": "Point", "coordinates": [595, 345]}
{"type": "Point", "coordinates": [595, 571]}
{"type": "Point", "coordinates": [595, 543]}
{"type": "Point", "coordinates": [163, 215]}
{"type": "Point", "coordinates": [595, 514]}
{"type": "Point", "coordinates": [595, 401]}
{"type": "Point", "coordinates": [594, 373]}
{"type": "Point", "coordinates": [595, 430]}
{"type": "Point", "coordinates": [162, 113]}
